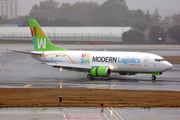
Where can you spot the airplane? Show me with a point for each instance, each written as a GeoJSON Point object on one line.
{"type": "Point", "coordinates": [95, 63]}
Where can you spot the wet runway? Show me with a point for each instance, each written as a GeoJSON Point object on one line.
{"type": "Point", "coordinates": [21, 71]}
{"type": "Point", "coordinates": [109, 113]}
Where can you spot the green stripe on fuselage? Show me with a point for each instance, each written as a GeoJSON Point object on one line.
{"type": "Point", "coordinates": [153, 73]}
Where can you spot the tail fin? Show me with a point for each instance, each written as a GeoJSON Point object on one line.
{"type": "Point", "coordinates": [40, 41]}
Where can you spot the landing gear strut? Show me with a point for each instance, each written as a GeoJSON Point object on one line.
{"type": "Point", "coordinates": [90, 77]}
{"type": "Point", "coordinates": [153, 77]}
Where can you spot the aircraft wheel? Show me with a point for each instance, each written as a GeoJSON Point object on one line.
{"type": "Point", "coordinates": [90, 77]}
{"type": "Point", "coordinates": [153, 77]}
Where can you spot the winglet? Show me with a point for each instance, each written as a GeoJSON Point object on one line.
{"type": "Point", "coordinates": [40, 41]}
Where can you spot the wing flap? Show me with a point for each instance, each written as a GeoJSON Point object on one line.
{"type": "Point", "coordinates": [74, 67]}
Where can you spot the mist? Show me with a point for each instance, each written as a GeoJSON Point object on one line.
{"type": "Point", "coordinates": [165, 7]}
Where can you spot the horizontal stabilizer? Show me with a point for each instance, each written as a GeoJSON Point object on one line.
{"type": "Point", "coordinates": [27, 52]}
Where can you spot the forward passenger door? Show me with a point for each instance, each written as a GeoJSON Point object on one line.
{"type": "Point", "coordinates": [146, 61]}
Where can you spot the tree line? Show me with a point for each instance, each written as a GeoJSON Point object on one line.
{"type": "Point", "coordinates": [156, 34]}
{"type": "Point", "coordinates": [110, 13]}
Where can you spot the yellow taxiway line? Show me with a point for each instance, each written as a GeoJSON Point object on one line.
{"type": "Point", "coordinates": [27, 85]}
{"type": "Point", "coordinates": [98, 86]}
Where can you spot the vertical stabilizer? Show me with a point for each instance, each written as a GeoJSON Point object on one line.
{"type": "Point", "coordinates": [40, 40]}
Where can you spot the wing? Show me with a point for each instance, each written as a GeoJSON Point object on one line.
{"type": "Point", "coordinates": [27, 52]}
{"type": "Point", "coordinates": [73, 67]}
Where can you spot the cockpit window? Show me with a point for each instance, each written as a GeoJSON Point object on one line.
{"type": "Point", "coordinates": [159, 60]}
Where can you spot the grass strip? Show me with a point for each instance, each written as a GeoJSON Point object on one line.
{"type": "Point", "coordinates": [49, 97]}
{"type": "Point", "coordinates": [172, 59]}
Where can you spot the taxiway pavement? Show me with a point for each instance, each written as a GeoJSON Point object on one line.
{"type": "Point", "coordinates": [109, 113]}
{"type": "Point", "coordinates": [19, 70]}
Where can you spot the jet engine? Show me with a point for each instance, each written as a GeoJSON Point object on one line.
{"type": "Point", "coordinates": [100, 72]}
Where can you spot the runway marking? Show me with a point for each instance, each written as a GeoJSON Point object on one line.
{"type": "Point", "coordinates": [117, 113]}
{"type": "Point", "coordinates": [84, 115]}
{"type": "Point", "coordinates": [98, 86]}
{"type": "Point", "coordinates": [27, 85]}
{"type": "Point", "coordinates": [112, 113]}
{"type": "Point", "coordinates": [77, 116]}
{"type": "Point", "coordinates": [125, 113]}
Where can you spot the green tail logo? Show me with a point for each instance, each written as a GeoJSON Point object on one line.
{"type": "Point", "coordinates": [40, 40]}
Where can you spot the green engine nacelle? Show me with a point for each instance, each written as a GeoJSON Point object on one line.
{"type": "Point", "coordinates": [100, 72]}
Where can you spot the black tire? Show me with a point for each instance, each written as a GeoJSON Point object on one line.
{"type": "Point", "coordinates": [90, 77]}
{"type": "Point", "coordinates": [153, 77]}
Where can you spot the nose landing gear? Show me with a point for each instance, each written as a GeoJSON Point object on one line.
{"type": "Point", "coordinates": [153, 77]}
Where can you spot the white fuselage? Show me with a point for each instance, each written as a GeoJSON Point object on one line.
{"type": "Point", "coordinates": [121, 61]}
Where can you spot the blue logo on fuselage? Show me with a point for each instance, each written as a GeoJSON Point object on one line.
{"type": "Point", "coordinates": [128, 60]}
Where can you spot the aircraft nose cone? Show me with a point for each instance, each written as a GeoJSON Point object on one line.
{"type": "Point", "coordinates": [169, 65]}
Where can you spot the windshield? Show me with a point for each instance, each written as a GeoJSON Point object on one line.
{"type": "Point", "coordinates": [159, 60]}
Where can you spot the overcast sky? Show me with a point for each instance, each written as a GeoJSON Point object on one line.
{"type": "Point", "coordinates": [165, 7]}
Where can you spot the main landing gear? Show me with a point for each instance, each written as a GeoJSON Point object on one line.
{"type": "Point", "coordinates": [90, 77]}
{"type": "Point", "coordinates": [153, 77]}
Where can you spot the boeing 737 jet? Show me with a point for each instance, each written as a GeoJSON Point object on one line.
{"type": "Point", "coordinates": [96, 63]}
